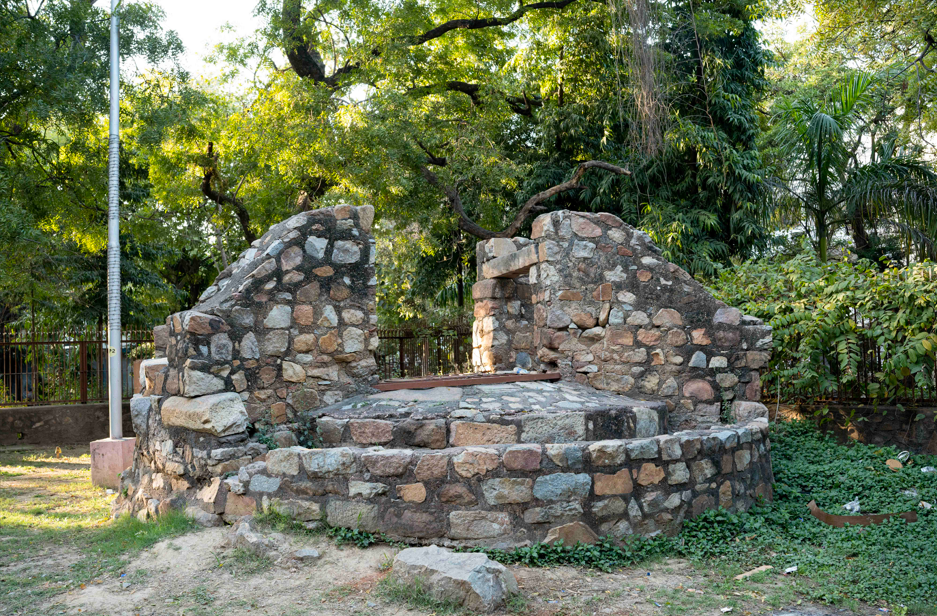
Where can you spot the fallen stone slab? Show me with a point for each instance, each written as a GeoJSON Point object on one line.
{"type": "Point", "coordinates": [473, 581]}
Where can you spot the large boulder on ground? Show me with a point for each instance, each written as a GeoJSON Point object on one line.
{"type": "Point", "coordinates": [473, 581]}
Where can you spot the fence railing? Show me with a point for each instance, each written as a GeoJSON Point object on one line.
{"type": "Point", "coordinates": [404, 353]}
{"type": "Point", "coordinates": [70, 367]}
{"type": "Point", "coordinates": [62, 367]}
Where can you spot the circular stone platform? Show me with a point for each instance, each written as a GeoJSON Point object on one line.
{"type": "Point", "coordinates": [504, 413]}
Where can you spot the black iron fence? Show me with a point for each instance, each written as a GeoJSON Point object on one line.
{"type": "Point", "coordinates": [70, 367]}
{"type": "Point", "coordinates": [406, 353]}
{"type": "Point", "coordinates": [64, 367]}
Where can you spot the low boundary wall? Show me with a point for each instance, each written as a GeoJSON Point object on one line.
{"type": "Point", "coordinates": [497, 495]}
{"type": "Point", "coordinates": [914, 429]}
{"type": "Point", "coordinates": [66, 424]}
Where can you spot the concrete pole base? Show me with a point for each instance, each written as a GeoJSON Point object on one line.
{"type": "Point", "coordinates": [109, 458]}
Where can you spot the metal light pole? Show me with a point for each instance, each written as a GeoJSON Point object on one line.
{"type": "Point", "coordinates": [112, 456]}
{"type": "Point", "coordinates": [115, 390]}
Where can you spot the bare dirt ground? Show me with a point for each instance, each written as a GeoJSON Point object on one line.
{"type": "Point", "coordinates": [48, 566]}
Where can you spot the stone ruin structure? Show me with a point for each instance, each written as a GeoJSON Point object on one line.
{"type": "Point", "coordinates": [262, 396]}
{"type": "Point", "coordinates": [591, 297]}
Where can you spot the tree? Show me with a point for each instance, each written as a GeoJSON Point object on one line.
{"type": "Point", "coordinates": [53, 146]}
{"type": "Point", "coordinates": [830, 188]}
{"type": "Point", "coordinates": [469, 123]}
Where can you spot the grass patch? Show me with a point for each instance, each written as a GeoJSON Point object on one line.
{"type": "Point", "coordinates": [243, 562]}
{"type": "Point", "coordinates": [55, 528]}
{"type": "Point", "coordinates": [416, 595]}
{"type": "Point", "coordinates": [107, 548]}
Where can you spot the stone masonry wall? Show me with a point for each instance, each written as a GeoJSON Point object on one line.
{"type": "Point", "coordinates": [609, 311]}
{"type": "Point", "coordinates": [288, 328]}
{"type": "Point", "coordinates": [497, 495]}
{"type": "Point", "coordinates": [285, 336]}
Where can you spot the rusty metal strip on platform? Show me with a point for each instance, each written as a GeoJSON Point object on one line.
{"type": "Point", "coordinates": [464, 380]}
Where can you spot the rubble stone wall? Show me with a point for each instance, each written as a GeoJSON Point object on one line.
{"type": "Point", "coordinates": [289, 327]}
{"type": "Point", "coordinates": [609, 311]}
{"type": "Point", "coordinates": [499, 495]}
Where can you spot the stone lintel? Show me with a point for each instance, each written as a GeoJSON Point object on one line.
{"type": "Point", "coordinates": [512, 265]}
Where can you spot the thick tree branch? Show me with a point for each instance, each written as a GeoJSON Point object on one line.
{"type": "Point", "coordinates": [222, 197]}
{"type": "Point", "coordinates": [532, 205]}
{"type": "Point", "coordinates": [308, 63]}
{"type": "Point", "coordinates": [484, 22]}
{"type": "Point", "coordinates": [522, 105]}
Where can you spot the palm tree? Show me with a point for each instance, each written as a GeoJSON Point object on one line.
{"type": "Point", "coordinates": [829, 189]}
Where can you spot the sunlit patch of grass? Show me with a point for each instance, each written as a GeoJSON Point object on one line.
{"type": "Point", "coordinates": [55, 528]}
{"type": "Point", "coordinates": [241, 561]}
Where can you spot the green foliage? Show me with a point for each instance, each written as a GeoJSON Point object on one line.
{"type": "Point", "coordinates": [360, 538]}
{"type": "Point", "coordinates": [890, 562]}
{"type": "Point", "coordinates": [606, 555]}
{"type": "Point", "coordinates": [830, 318]}
{"type": "Point", "coordinates": [893, 39]}
{"type": "Point", "coordinates": [53, 160]}
{"type": "Point", "coordinates": [824, 186]}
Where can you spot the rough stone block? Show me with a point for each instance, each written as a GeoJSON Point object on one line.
{"type": "Point", "coordinates": [475, 461]}
{"type": "Point", "coordinates": [366, 489]}
{"type": "Point", "coordinates": [619, 483]}
{"type": "Point", "coordinates": [507, 490]}
{"type": "Point", "coordinates": [650, 474]}
{"type": "Point", "coordinates": [284, 461]}
{"type": "Point", "coordinates": [522, 458]}
{"type": "Point", "coordinates": [328, 462]}
{"type": "Point", "coordinates": [412, 492]}
{"type": "Point", "coordinates": [571, 534]}
{"type": "Point", "coordinates": [371, 431]}
{"type": "Point", "coordinates": [218, 414]}
{"type": "Point", "coordinates": [472, 581]}
{"type": "Point", "coordinates": [457, 494]}
{"type": "Point", "coordinates": [389, 463]}
{"type": "Point", "coordinates": [432, 466]}
{"type": "Point", "coordinates": [565, 428]}
{"type": "Point", "coordinates": [478, 524]}
{"type": "Point", "coordinates": [466, 433]}
{"type": "Point", "coordinates": [352, 514]}
{"type": "Point", "coordinates": [608, 453]}
{"type": "Point", "coordinates": [562, 486]}
{"type": "Point", "coordinates": [511, 265]}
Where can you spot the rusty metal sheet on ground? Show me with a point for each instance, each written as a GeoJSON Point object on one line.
{"type": "Point", "coordinates": [840, 521]}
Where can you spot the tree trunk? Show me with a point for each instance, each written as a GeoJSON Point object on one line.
{"type": "Point", "coordinates": [823, 240]}
{"type": "Point", "coordinates": [859, 234]}
{"type": "Point", "coordinates": [460, 278]}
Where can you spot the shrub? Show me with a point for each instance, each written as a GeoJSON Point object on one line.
{"type": "Point", "coordinates": [841, 326]}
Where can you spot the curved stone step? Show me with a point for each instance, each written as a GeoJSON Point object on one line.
{"type": "Point", "coordinates": [503, 495]}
